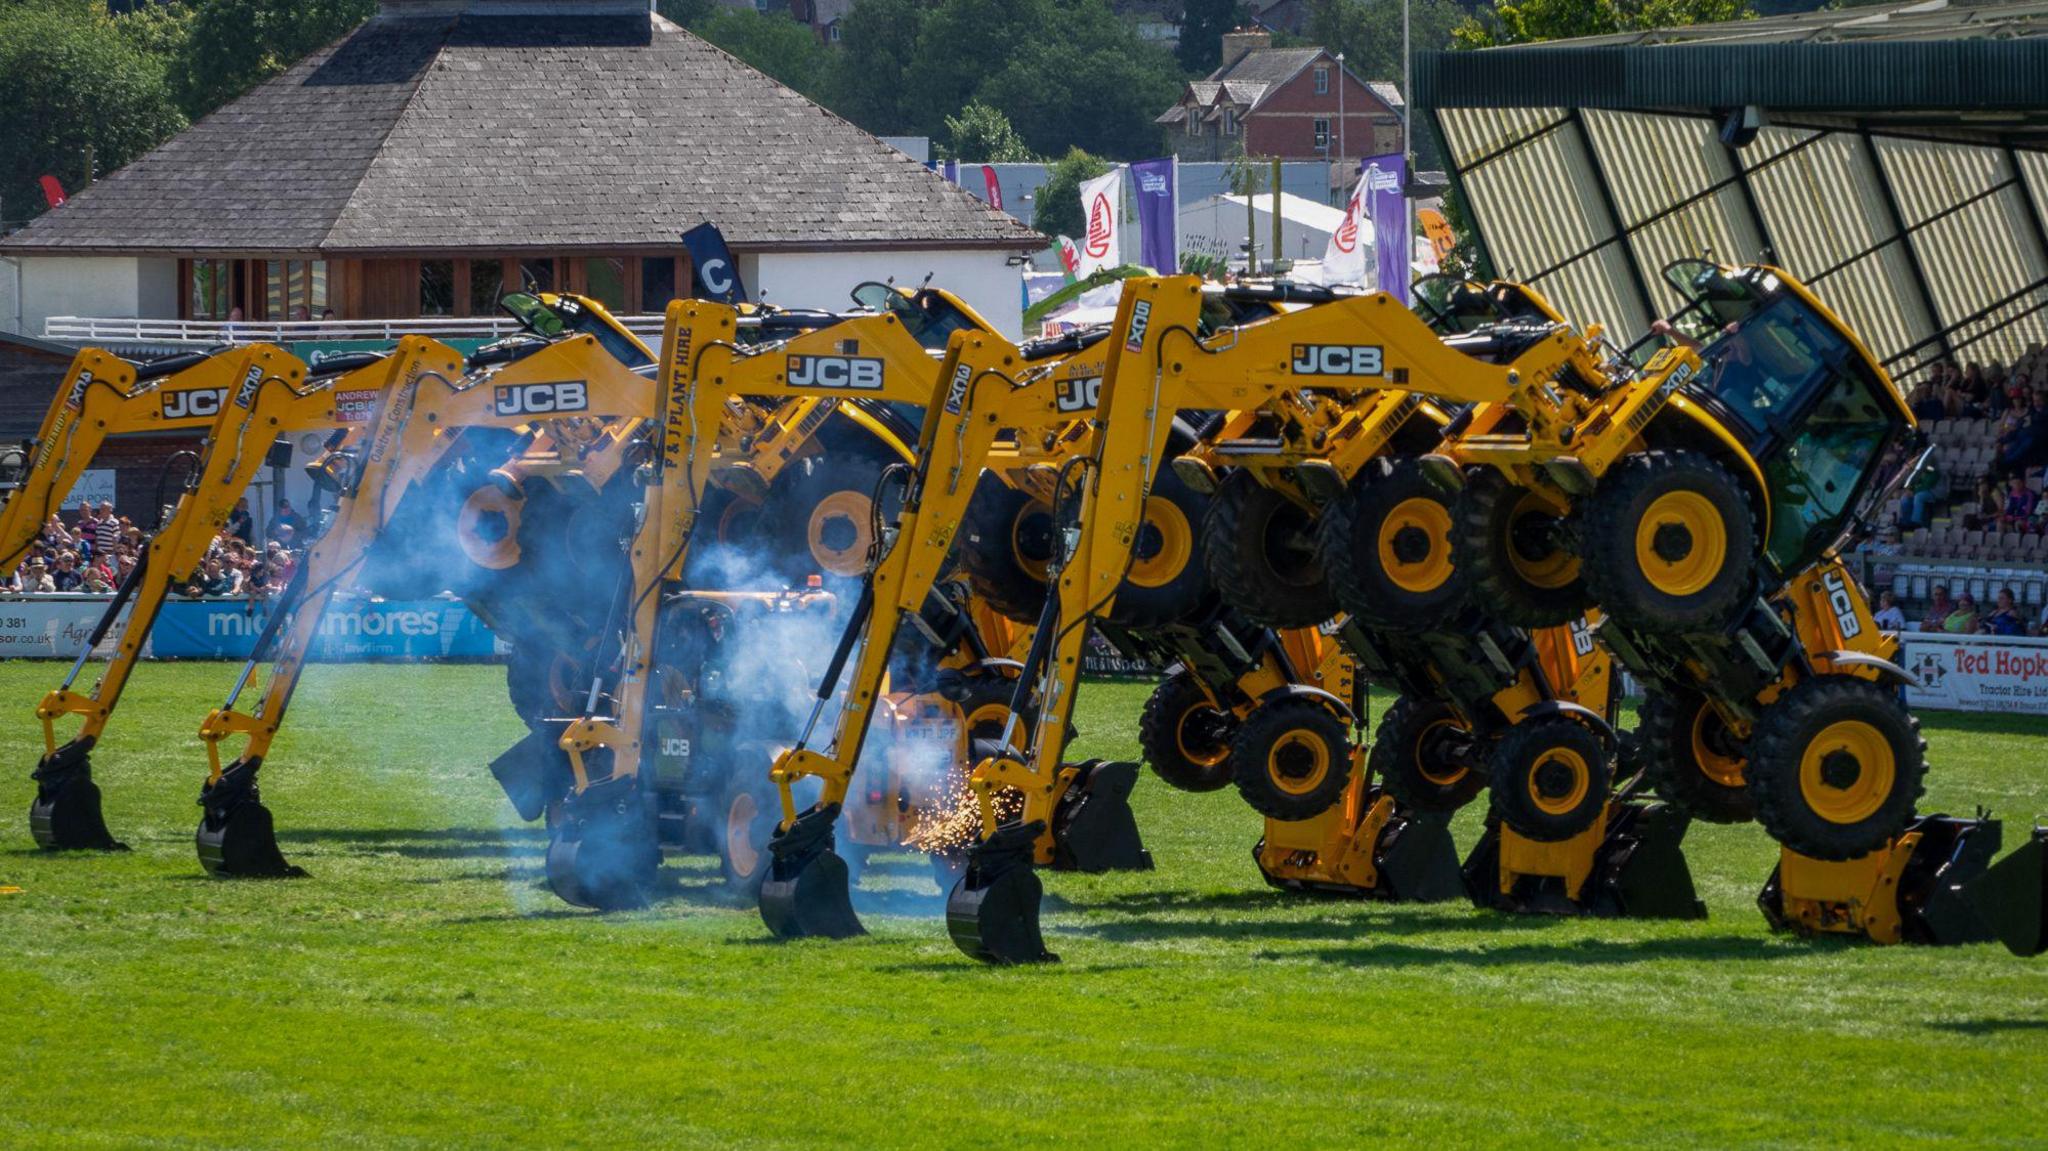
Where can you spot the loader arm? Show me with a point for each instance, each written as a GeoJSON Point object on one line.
{"type": "Point", "coordinates": [704, 373]}
{"type": "Point", "coordinates": [418, 421]}
{"type": "Point", "coordinates": [103, 395]}
{"type": "Point", "coordinates": [237, 449]}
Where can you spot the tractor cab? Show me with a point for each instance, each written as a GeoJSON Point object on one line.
{"type": "Point", "coordinates": [1453, 305]}
{"type": "Point", "coordinates": [1784, 376]}
{"type": "Point", "coordinates": [931, 316]}
{"type": "Point", "coordinates": [550, 317]}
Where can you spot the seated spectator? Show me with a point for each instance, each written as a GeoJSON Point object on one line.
{"type": "Point", "coordinates": [37, 581]}
{"type": "Point", "coordinates": [286, 518]}
{"type": "Point", "coordinates": [1889, 617]}
{"type": "Point", "coordinates": [1985, 506]}
{"type": "Point", "coordinates": [94, 582]}
{"type": "Point", "coordinates": [2005, 616]}
{"type": "Point", "coordinates": [1963, 620]}
{"type": "Point", "coordinates": [241, 525]}
{"type": "Point", "coordinates": [1938, 609]}
{"type": "Point", "coordinates": [1926, 486]}
{"type": "Point", "coordinates": [67, 577]}
{"type": "Point", "coordinates": [1926, 402]}
{"type": "Point", "coordinates": [2019, 505]}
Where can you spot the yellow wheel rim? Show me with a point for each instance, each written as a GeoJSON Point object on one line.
{"type": "Point", "coordinates": [739, 834]}
{"type": "Point", "coordinates": [1209, 757]}
{"type": "Point", "coordinates": [1554, 569]}
{"type": "Point", "coordinates": [1722, 768]}
{"type": "Point", "coordinates": [1415, 545]}
{"type": "Point", "coordinates": [1681, 543]}
{"type": "Point", "coordinates": [1298, 763]}
{"type": "Point", "coordinates": [1567, 800]}
{"type": "Point", "coordinates": [1847, 771]}
{"type": "Point", "coordinates": [838, 518]}
{"type": "Point", "coordinates": [488, 528]}
{"type": "Point", "coordinates": [1449, 774]}
{"type": "Point", "coordinates": [1176, 544]}
{"type": "Point", "coordinates": [986, 721]}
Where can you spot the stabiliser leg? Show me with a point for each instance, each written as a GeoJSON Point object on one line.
{"type": "Point", "coordinates": [1364, 848]}
{"type": "Point", "coordinates": [1915, 889]}
{"type": "Point", "coordinates": [534, 772]}
{"type": "Point", "coordinates": [807, 891]}
{"type": "Point", "coordinates": [1093, 828]}
{"type": "Point", "coordinates": [65, 814]}
{"type": "Point", "coordinates": [2012, 897]}
{"type": "Point", "coordinates": [604, 852]}
{"type": "Point", "coordinates": [1630, 865]}
{"type": "Point", "coordinates": [992, 912]}
{"type": "Point", "coordinates": [237, 837]}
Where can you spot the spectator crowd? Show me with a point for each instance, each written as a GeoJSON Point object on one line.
{"type": "Point", "coordinates": [94, 553]}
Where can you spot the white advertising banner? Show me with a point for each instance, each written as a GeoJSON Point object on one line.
{"type": "Point", "coordinates": [95, 486]}
{"type": "Point", "coordinates": [51, 627]}
{"type": "Point", "coordinates": [1977, 672]}
{"type": "Point", "coordinates": [1102, 205]}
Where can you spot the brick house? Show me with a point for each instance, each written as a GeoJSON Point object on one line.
{"type": "Point", "coordinates": [1285, 102]}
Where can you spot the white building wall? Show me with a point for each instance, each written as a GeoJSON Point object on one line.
{"type": "Point", "coordinates": [824, 279]}
{"type": "Point", "coordinates": [110, 286]}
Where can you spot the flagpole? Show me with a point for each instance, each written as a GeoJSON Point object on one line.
{"type": "Point", "coordinates": [1407, 149]}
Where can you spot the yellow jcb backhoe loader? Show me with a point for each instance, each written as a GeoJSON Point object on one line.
{"type": "Point", "coordinates": [668, 724]}
{"type": "Point", "coordinates": [416, 427]}
{"type": "Point", "coordinates": [274, 395]}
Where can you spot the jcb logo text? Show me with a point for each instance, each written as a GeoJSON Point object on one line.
{"type": "Point", "coordinates": [543, 399]}
{"type": "Point", "coordinates": [194, 403]}
{"type": "Point", "coordinates": [1082, 395]}
{"type": "Point", "coordinates": [857, 373]}
{"type": "Point", "coordinates": [1337, 360]}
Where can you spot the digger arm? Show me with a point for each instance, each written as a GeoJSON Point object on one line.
{"type": "Point", "coordinates": [235, 452]}
{"type": "Point", "coordinates": [103, 395]}
{"type": "Point", "coordinates": [703, 371]}
{"type": "Point", "coordinates": [988, 387]}
{"type": "Point", "coordinates": [416, 424]}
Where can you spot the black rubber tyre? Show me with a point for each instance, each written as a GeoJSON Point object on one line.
{"type": "Point", "coordinates": [1291, 759]}
{"type": "Point", "coordinates": [541, 681]}
{"type": "Point", "coordinates": [985, 704]}
{"type": "Point", "coordinates": [1386, 549]}
{"type": "Point", "coordinates": [1551, 778]}
{"type": "Point", "coordinates": [1166, 581]}
{"type": "Point", "coordinates": [1669, 544]}
{"type": "Point", "coordinates": [1004, 545]}
{"type": "Point", "coordinates": [1260, 552]}
{"type": "Point", "coordinates": [1835, 767]}
{"type": "Point", "coordinates": [1508, 547]}
{"type": "Point", "coordinates": [818, 518]}
{"type": "Point", "coordinates": [1185, 736]}
{"type": "Point", "coordinates": [747, 816]}
{"type": "Point", "coordinates": [1414, 756]}
{"type": "Point", "coordinates": [1691, 759]}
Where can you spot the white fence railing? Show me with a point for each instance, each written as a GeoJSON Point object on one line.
{"type": "Point", "coordinates": [206, 333]}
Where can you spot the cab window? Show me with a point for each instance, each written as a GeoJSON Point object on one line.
{"type": "Point", "coordinates": [1816, 473]}
{"type": "Point", "coordinates": [1772, 363]}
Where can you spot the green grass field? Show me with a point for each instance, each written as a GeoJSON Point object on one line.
{"type": "Point", "coordinates": [422, 988]}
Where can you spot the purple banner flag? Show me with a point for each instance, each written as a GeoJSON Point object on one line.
{"type": "Point", "coordinates": [1385, 176]}
{"type": "Point", "coordinates": [1158, 184]}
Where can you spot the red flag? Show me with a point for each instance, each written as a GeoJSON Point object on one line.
{"type": "Point", "coordinates": [995, 189]}
{"type": "Point", "coordinates": [53, 191]}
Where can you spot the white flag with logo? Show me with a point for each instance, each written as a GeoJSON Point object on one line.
{"type": "Point", "coordinates": [1344, 259]}
{"type": "Point", "coordinates": [1102, 205]}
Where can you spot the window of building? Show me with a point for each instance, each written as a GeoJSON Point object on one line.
{"type": "Point", "coordinates": [437, 287]}
{"type": "Point", "coordinates": [537, 275]}
{"type": "Point", "coordinates": [1322, 80]}
{"type": "Point", "coordinates": [1229, 122]}
{"type": "Point", "coordinates": [1322, 135]}
{"type": "Point", "coordinates": [1194, 122]}
{"type": "Point", "coordinates": [833, 35]}
{"type": "Point", "coordinates": [604, 280]}
{"type": "Point", "coordinates": [294, 289]}
{"type": "Point", "coordinates": [211, 289]}
{"type": "Point", "coordinates": [657, 283]}
{"type": "Point", "coordinates": [486, 284]}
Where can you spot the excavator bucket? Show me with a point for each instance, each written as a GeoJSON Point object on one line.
{"type": "Point", "coordinates": [1093, 828]}
{"type": "Point", "coordinates": [807, 891]}
{"type": "Point", "coordinates": [2012, 897]}
{"type": "Point", "coordinates": [1417, 859]}
{"type": "Point", "coordinates": [604, 852]}
{"type": "Point", "coordinates": [534, 773]}
{"type": "Point", "coordinates": [237, 837]}
{"type": "Point", "coordinates": [65, 814]}
{"type": "Point", "coordinates": [992, 912]}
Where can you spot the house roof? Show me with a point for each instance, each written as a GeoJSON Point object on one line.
{"type": "Point", "coordinates": [1247, 81]}
{"type": "Point", "coordinates": [473, 133]}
